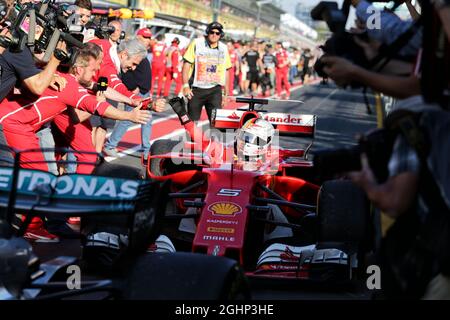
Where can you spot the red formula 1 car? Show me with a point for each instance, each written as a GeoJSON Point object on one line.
{"type": "Point", "coordinates": [278, 221]}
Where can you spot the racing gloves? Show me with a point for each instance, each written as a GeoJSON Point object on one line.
{"type": "Point", "coordinates": [212, 148]}
{"type": "Point", "coordinates": [178, 106]}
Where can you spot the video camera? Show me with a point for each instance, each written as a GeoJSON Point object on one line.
{"type": "Point", "coordinates": [377, 145]}
{"type": "Point", "coordinates": [51, 17]}
{"type": "Point", "coordinates": [101, 28]}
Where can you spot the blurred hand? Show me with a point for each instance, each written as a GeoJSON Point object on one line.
{"type": "Point", "coordinates": [101, 96]}
{"type": "Point", "coordinates": [364, 178]}
{"type": "Point", "coordinates": [62, 46]}
{"type": "Point", "coordinates": [224, 100]}
{"type": "Point", "coordinates": [175, 75]}
{"type": "Point", "coordinates": [339, 69]}
{"type": "Point", "coordinates": [159, 105]}
{"type": "Point", "coordinates": [136, 102]}
{"type": "Point", "coordinates": [58, 83]}
{"type": "Point", "coordinates": [187, 92]}
{"type": "Point", "coordinates": [140, 116]}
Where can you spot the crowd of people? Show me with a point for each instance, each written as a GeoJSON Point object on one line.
{"type": "Point", "coordinates": [258, 67]}
{"type": "Point", "coordinates": [263, 68]}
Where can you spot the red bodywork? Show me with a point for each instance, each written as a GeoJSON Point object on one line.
{"type": "Point", "coordinates": [227, 198]}
{"type": "Point", "coordinates": [224, 217]}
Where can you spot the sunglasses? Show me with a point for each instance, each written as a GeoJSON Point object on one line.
{"type": "Point", "coordinates": [217, 33]}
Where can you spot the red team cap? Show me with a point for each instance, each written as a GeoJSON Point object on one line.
{"type": "Point", "coordinates": [145, 32]}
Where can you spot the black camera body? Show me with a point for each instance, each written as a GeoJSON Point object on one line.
{"type": "Point", "coordinates": [101, 28]}
{"type": "Point", "coordinates": [377, 145]}
{"type": "Point", "coordinates": [19, 36]}
{"type": "Point", "coordinates": [341, 43]}
{"type": "Point", "coordinates": [53, 20]}
{"type": "Point", "coordinates": [104, 32]}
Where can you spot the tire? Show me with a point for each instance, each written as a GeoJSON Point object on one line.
{"type": "Point", "coordinates": [185, 276]}
{"type": "Point", "coordinates": [102, 258]}
{"type": "Point", "coordinates": [343, 212]}
{"type": "Point", "coordinates": [160, 147]}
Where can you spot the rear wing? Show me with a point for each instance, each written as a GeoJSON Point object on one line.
{"type": "Point", "coordinates": [288, 124]}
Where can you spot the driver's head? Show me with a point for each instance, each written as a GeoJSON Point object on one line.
{"type": "Point", "coordinates": [254, 140]}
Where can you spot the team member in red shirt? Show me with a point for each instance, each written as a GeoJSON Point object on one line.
{"type": "Point", "coordinates": [21, 118]}
{"type": "Point", "coordinates": [130, 54]}
{"type": "Point", "coordinates": [158, 65]}
{"type": "Point", "coordinates": [109, 70]}
{"type": "Point", "coordinates": [74, 126]}
{"type": "Point", "coordinates": [282, 70]}
{"type": "Point", "coordinates": [173, 68]}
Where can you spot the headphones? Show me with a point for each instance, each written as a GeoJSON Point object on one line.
{"type": "Point", "coordinates": [212, 26]}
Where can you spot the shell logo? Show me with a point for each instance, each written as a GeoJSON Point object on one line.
{"type": "Point", "coordinates": [225, 209]}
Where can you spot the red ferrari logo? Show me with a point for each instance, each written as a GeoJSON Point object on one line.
{"type": "Point", "coordinates": [233, 116]}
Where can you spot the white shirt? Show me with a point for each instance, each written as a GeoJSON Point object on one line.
{"type": "Point", "coordinates": [115, 56]}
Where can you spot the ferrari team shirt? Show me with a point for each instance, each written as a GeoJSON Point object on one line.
{"type": "Point", "coordinates": [108, 69]}
{"type": "Point", "coordinates": [29, 115]}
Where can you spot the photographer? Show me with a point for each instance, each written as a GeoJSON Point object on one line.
{"type": "Point", "coordinates": [20, 123]}
{"type": "Point", "coordinates": [389, 29]}
{"type": "Point", "coordinates": [19, 69]}
{"type": "Point", "coordinates": [84, 11]}
{"type": "Point", "coordinates": [415, 253]}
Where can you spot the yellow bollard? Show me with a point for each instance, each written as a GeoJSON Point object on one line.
{"type": "Point", "coordinates": [386, 221]}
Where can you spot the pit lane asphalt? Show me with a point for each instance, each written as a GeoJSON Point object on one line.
{"type": "Point", "coordinates": [341, 116]}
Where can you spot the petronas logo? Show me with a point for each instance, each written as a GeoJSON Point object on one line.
{"type": "Point", "coordinates": [225, 209]}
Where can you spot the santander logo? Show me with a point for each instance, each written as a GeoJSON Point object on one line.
{"type": "Point", "coordinates": [284, 119]}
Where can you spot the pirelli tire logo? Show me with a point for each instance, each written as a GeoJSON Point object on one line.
{"type": "Point", "coordinates": [225, 209]}
{"type": "Point", "coordinates": [220, 230]}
